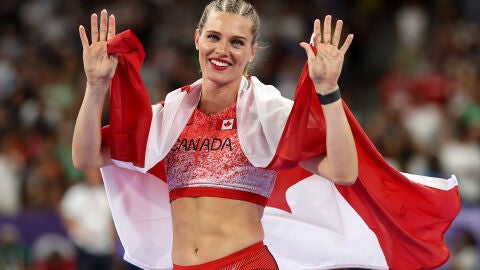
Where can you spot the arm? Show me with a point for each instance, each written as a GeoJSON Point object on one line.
{"type": "Point", "coordinates": [340, 163]}
{"type": "Point", "coordinates": [87, 149]}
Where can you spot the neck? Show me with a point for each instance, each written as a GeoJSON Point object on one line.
{"type": "Point", "coordinates": [217, 97]}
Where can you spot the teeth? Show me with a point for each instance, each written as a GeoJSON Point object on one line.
{"type": "Point", "coordinates": [218, 63]}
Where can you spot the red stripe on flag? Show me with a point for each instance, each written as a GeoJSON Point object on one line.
{"type": "Point", "coordinates": [226, 124]}
{"type": "Point", "coordinates": [130, 106]}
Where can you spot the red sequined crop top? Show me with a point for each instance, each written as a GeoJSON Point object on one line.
{"type": "Point", "coordinates": [207, 161]}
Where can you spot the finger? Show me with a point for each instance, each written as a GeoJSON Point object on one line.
{"type": "Point", "coordinates": [317, 32]}
{"type": "Point", "coordinates": [337, 33]}
{"type": "Point", "coordinates": [111, 27]}
{"type": "Point", "coordinates": [346, 44]}
{"type": "Point", "coordinates": [308, 50]}
{"type": "Point", "coordinates": [83, 37]}
{"type": "Point", "coordinates": [94, 27]}
{"type": "Point", "coordinates": [327, 29]}
{"type": "Point", "coordinates": [103, 25]}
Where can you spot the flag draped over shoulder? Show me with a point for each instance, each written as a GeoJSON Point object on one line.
{"type": "Point", "coordinates": [409, 214]}
{"type": "Point", "coordinates": [386, 220]}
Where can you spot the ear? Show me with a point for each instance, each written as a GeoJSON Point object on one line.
{"type": "Point", "coordinates": [254, 50]}
{"type": "Point", "coordinates": [197, 37]}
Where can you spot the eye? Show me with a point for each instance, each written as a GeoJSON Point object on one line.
{"type": "Point", "coordinates": [213, 37]}
{"type": "Point", "coordinates": [237, 43]}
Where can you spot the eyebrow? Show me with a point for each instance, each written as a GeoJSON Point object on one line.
{"type": "Point", "coordinates": [218, 33]}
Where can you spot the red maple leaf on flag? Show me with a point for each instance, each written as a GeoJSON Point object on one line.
{"type": "Point", "coordinates": [227, 124]}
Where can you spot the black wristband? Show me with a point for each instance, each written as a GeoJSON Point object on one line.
{"type": "Point", "coordinates": [330, 97]}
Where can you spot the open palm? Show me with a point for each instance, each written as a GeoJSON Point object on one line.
{"type": "Point", "coordinates": [325, 59]}
{"type": "Point", "coordinates": [99, 66]}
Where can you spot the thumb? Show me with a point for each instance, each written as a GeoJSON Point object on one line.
{"type": "Point", "coordinates": [308, 49]}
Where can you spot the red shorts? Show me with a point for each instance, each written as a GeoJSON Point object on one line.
{"type": "Point", "coordinates": [255, 257]}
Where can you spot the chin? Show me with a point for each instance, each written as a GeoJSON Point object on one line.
{"type": "Point", "coordinates": [220, 78]}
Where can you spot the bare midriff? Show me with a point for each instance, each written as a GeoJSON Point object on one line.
{"type": "Point", "coordinates": [209, 228]}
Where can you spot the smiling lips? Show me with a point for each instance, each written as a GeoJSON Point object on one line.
{"type": "Point", "coordinates": [219, 64]}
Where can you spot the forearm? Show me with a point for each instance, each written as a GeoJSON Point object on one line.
{"type": "Point", "coordinates": [87, 151]}
{"type": "Point", "coordinates": [341, 161]}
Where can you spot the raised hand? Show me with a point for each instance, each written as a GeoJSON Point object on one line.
{"type": "Point", "coordinates": [326, 64]}
{"type": "Point", "coordinates": [99, 66]}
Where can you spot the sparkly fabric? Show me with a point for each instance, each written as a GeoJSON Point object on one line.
{"type": "Point", "coordinates": [208, 154]}
{"type": "Point", "coordinates": [255, 257]}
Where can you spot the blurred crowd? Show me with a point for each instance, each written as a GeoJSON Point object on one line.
{"type": "Point", "coordinates": [411, 77]}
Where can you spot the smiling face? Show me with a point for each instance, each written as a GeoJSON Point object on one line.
{"type": "Point", "coordinates": [225, 47]}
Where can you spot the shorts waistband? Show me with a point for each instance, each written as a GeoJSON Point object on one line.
{"type": "Point", "coordinates": [225, 260]}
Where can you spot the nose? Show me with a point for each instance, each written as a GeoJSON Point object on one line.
{"type": "Point", "coordinates": [221, 48]}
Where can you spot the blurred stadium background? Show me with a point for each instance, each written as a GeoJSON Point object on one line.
{"type": "Point", "coordinates": [411, 77]}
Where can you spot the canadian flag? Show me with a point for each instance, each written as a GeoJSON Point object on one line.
{"type": "Point", "coordinates": [386, 220]}
{"type": "Point", "coordinates": [226, 124]}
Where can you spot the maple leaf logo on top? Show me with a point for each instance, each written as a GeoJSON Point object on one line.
{"type": "Point", "coordinates": [227, 124]}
